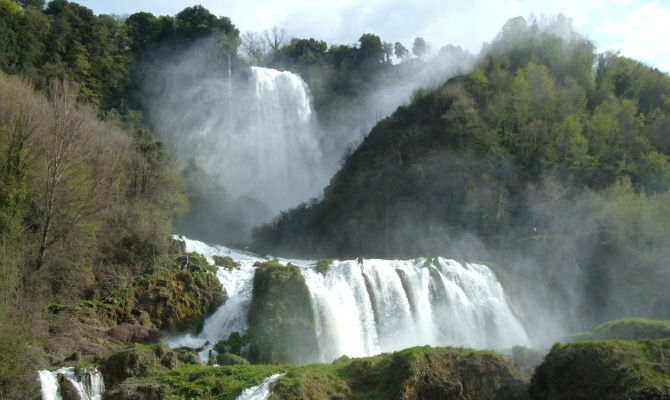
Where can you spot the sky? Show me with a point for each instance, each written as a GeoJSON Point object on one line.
{"type": "Point", "coordinates": [637, 28]}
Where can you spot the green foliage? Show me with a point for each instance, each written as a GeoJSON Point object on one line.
{"type": "Point", "coordinates": [205, 382]}
{"type": "Point", "coordinates": [234, 344]}
{"type": "Point", "coordinates": [225, 262]}
{"type": "Point", "coordinates": [323, 265]}
{"type": "Point", "coordinates": [421, 372]}
{"type": "Point", "coordinates": [230, 359]}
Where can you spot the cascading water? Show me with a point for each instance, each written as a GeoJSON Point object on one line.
{"type": "Point", "coordinates": [284, 141]}
{"type": "Point", "coordinates": [260, 392]}
{"type": "Point", "coordinates": [375, 306]}
{"type": "Point", "coordinates": [365, 307]}
{"type": "Point", "coordinates": [256, 137]}
{"type": "Point", "coordinates": [86, 382]}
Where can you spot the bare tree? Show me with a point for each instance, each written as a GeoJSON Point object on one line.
{"type": "Point", "coordinates": [275, 37]}
{"type": "Point", "coordinates": [253, 46]}
{"type": "Point", "coordinates": [78, 168]}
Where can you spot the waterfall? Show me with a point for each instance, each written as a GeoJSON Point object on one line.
{"type": "Point", "coordinates": [374, 306]}
{"type": "Point", "coordinates": [283, 141]}
{"type": "Point", "coordinates": [260, 392]}
{"type": "Point", "coordinates": [366, 307]}
{"type": "Point", "coordinates": [257, 137]}
{"type": "Point", "coordinates": [87, 382]}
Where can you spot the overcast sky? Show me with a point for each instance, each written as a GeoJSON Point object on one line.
{"type": "Point", "coordinates": [638, 28]}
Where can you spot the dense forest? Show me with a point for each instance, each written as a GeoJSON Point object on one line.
{"type": "Point", "coordinates": [547, 151]}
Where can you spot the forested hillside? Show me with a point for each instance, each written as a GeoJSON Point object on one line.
{"type": "Point", "coordinates": [546, 151]}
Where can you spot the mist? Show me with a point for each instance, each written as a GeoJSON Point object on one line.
{"type": "Point", "coordinates": [250, 139]}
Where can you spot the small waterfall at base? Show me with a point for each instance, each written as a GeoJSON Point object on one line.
{"type": "Point", "coordinates": [366, 307]}
{"type": "Point", "coordinates": [86, 382]}
{"type": "Point", "coordinates": [260, 392]}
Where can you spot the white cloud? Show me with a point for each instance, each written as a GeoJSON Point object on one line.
{"type": "Point", "coordinates": [642, 35]}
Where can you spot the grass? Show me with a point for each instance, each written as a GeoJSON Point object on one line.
{"type": "Point", "coordinates": [608, 369]}
{"type": "Point", "coordinates": [207, 382]}
{"type": "Point", "coordinates": [371, 378]}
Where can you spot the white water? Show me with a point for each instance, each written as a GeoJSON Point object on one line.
{"type": "Point", "coordinates": [374, 306]}
{"type": "Point", "coordinates": [260, 392]}
{"type": "Point", "coordinates": [283, 144]}
{"type": "Point", "coordinates": [439, 303]}
{"type": "Point", "coordinates": [87, 381]}
{"type": "Point", "coordinates": [257, 138]}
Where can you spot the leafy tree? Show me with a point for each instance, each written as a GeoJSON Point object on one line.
{"type": "Point", "coordinates": [420, 47]}
{"type": "Point", "coordinates": [400, 51]}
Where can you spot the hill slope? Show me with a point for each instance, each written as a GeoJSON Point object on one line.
{"type": "Point", "coordinates": [536, 154]}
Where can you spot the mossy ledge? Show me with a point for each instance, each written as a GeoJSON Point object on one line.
{"type": "Point", "coordinates": [606, 370]}
{"type": "Point", "coordinates": [416, 373]}
{"type": "Point", "coordinates": [173, 298]}
{"type": "Point", "coordinates": [626, 329]}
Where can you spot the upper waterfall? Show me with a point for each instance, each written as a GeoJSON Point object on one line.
{"type": "Point", "coordinates": [282, 141]}
{"type": "Point", "coordinates": [251, 142]}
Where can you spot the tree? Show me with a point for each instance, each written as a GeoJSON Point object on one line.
{"type": "Point", "coordinates": [77, 169]}
{"type": "Point", "coordinates": [275, 38]}
{"type": "Point", "coordinates": [388, 51]}
{"type": "Point", "coordinates": [371, 47]}
{"type": "Point", "coordinates": [143, 29]}
{"type": "Point", "coordinates": [253, 46]}
{"type": "Point", "coordinates": [400, 51]}
{"type": "Point", "coordinates": [420, 47]}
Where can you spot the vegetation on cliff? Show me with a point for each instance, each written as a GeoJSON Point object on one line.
{"type": "Point", "coordinates": [281, 319]}
{"type": "Point", "coordinates": [608, 370]}
{"type": "Point", "coordinates": [417, 373]}
{"type": "Point", "coordinates": [85, 207]}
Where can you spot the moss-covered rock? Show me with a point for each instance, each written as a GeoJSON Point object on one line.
{"type": "Point", "coordinates": [322, 266]}
{"type": "Point", "coordinates": [178, 299]}
{"type": "Point", "coordinates": [281, 321]}
{"type": "Point", "coordinates": [626, 329]}
{"type": "Point", "coordinates": [136, 391]}
{"type": "Point", "coordinates": [416, 373]}
{"type": "Point", "coordinates": [233, 344]}
{"type": "Point", "coordinates": [138, 360]}
{"type": "Point", "coordinates": [231, 359]}
{"type": "Point", "coordinates": [226, 262]}
{"type": "Point", "coordinates": [606, 370]}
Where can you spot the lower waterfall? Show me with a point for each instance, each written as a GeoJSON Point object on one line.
{"type": "Point", "coordinates": [366, 307]}
{"type": "Point", "coordinates": [87, 383]}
